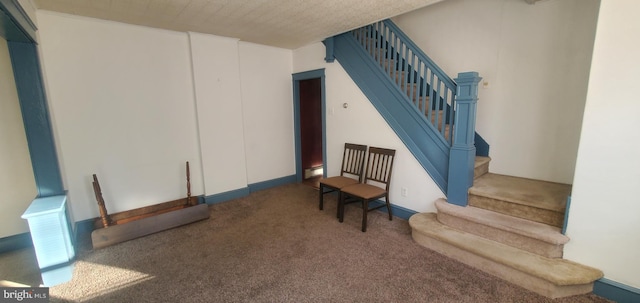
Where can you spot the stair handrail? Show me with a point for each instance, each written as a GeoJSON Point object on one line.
{"type": "Point", "coordinates": [424, 57]}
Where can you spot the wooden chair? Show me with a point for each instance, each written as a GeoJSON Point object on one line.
{"type": "Point", "coordinates": [375, 186]}
{"type": "Point", "coordinates": [350, 173]}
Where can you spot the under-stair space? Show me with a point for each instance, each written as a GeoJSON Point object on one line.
{"type": "Point", "coordinates": [510, 229]}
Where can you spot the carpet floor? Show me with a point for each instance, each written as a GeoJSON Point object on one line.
{"type": "Point", "coordinates": [274, 246]}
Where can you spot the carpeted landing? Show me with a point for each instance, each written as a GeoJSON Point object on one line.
{"type": "Point", "coordinates": [275, 246]}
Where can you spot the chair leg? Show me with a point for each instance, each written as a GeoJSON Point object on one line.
{"type": "Point", "coordinates": [341, 198]}
{"type": "Point", "coordinates": [386, 199]}
{"type": "Point", "coordinates": [365, 210]}
{"type": "Point", "coordinates": [338, 206]}
{"type": "Point", "coordinates": [321, 193]}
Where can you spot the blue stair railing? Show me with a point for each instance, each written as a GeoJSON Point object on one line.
{"type": "Point", "coordinates": [432, 114]}
{"type": "Point", "coordinates": [431, 91]}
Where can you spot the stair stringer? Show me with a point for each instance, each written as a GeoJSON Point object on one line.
{"type": "Point", "coordinates": [429, 148]}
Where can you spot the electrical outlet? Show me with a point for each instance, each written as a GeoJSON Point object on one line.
{"type": "Point", "coordinates": [404, 191]}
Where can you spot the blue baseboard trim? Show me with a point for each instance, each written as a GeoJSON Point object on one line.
{"type": "Point", "coordinates": [228, 195]}
{"type": "Point", "coordinates": [15, 242]}
{"type": "Point", "coordinates": [482, 147]}
{"type": "Point", "coordinates": [272, 183]}
{"type": "Point", "coordinates": [615, 291]}
{"type": "Point", "coordinates": [83, 228]}
{"type": "Point", "coordinates": [245, 191]}
{"type": "Point", "coordinates": [398, 211]}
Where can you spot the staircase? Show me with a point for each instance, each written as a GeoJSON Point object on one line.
{"type": "Point", "coordinates": [511, 229]}
{"type": "Point", "coordinates": [414, 96]}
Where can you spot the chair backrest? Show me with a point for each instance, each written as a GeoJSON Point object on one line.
{"type": "Point", "coordinates": [353, 160]}
{"type": "Point", "coordinates": [379, 165]}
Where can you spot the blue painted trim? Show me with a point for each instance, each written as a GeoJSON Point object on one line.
{"type": "Point", "coordinates": [461, 167]}
{"type": "Point", "coordinates": [420, 137]}
{"type": "Point", "coordinates": [83, 228]}
{"type": "Point", "coordinates": [272, 183]}
{"type": "Point", "coordinates": [328, 45]}
{"type": "Point", "coordinates": [245, 191]}
{"type": "Point", "coordinates": [15, 242]}
{"type": "Point", "coordinates": [8, 29]}
{"type": "Point", "coordinates": [482, 146]}
{"type": "Point", "coordinates": [297, 77]}
{"type": "Point", "coordinates": [35, 115]}
{"type": "Point", "coordinates": [566, 216]}
{"type": "Point", "coordinates": [312, 74]}
{"type": "Point", "coordinates": [296, 129]}
{"type": "Point", "coordinates": [615, 291]}
{"type": "Point", "coordinates": [226, 196]}
{"type": "Point", "coordinates": [18, 27]}
{"type": "Point", "coordinates": [418, 51]}
{"type": "Point", "coordinates": [463, 150]}
{"type": "Point", "coordinates": [398, 211]}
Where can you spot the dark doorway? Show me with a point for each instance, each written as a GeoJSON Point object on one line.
{"type": "Point", "coordinates": [311, 130]}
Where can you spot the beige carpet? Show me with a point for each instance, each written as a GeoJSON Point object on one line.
{"type": "Point", "coordinates": [275, 246]}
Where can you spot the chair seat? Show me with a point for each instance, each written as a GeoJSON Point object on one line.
{"type": "Point", "coordinates": [365, 191]}
{"type": "Point", "coordinates": [378, 171]}
{"type": "Point", "coordinates": [338, 181]}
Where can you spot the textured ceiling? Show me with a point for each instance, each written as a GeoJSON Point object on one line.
{"type": "Point", "coordinates": [282, 23]}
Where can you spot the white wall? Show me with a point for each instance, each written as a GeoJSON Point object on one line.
{"type": "Point", "coordinates": [17, 184]}
{"type": "Point", "coordinates": [604, 220]}
{"type": "Point", "coordinates": [215, 64]}
{"type": "Point", "coordinates": [267, 111]}
{"type": "Point", "coordinates": [132, 104]}
{"type": "Point", "coordinates": [361, 123]}
{"type": "Point", "coordinates": [535, 59]}
{"type": "Point", "coordinates": [123, 107]}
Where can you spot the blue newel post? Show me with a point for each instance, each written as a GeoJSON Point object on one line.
{"type": "Point", "coordinates": [463, 150]}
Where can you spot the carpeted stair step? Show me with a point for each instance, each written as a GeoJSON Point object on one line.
{"type": "Point", "coordinates": [534, 200]}
{"type": "Point", "coordinates": [387, 64]}
{"type": "Point", "coordinates": [481, 166]}
{"type": "Point", "coordinates": [549, 277]}
{"type": "Point", "coordinates": [534, 237]}
{"type": "Point", "coordinates": [401, 76]}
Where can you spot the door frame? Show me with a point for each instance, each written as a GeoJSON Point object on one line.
{"type": "Point", "coordinates": [297, 77]}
